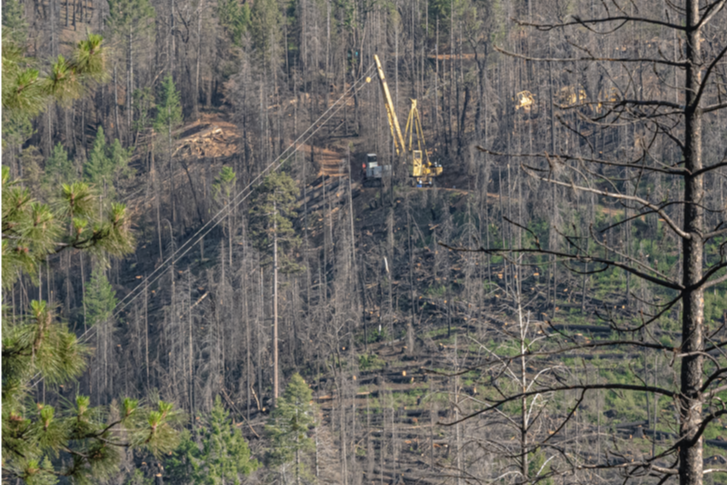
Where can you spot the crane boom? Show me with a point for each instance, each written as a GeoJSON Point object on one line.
{"type": "Point", "coordinates": [420, 170]}
{"type": "Point", "coordinates": [390, 111]}
{"type": "Point", "coordinates": [414, 126]}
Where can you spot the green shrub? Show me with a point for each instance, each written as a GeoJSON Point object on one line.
{"type": "Point", "coordinates": [370, 362]}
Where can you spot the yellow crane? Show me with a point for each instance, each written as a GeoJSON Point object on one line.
{"type": "Point", "coordinates": [422, 171]}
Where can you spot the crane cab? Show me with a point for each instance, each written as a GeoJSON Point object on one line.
{"type": "Point", "coordinates": [423, 172]}
{"type": "Point", "coordinates": [416, 163]}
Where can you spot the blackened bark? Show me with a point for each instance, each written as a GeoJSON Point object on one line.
{"type": "Point", "coordinates": [690, 453]}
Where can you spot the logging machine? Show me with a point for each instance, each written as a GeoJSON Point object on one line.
{"type": "Point", "coordinates": [421, 169]}
{"type": "Point", "coordinates": [372, 171]}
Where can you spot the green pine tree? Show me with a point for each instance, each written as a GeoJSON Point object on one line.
{"type": "Point", "coordinates": [234, 18]}
{"type": "Point", "coordinates": [273, 209]}
{"type": "Point", "coordinates": [129, 19]}
{"type": "Point", "coordinates": [119, 158]}
{"type": "Point", "coordinates": [97, 169]}
{"type": "Point", "coordinates": [169, 116]}
{"type": "Point", "coordinates": [222, 458]}
{"type": "Point", "coordinates": [224, 185]}
{"type": "Point", "coordinates": [181, 465]}
{"type": "Point", "coordinates": [107, 166]}
{"type": "Point", "coordinates": [131, 23]}
{"type": "Point", "coordinates": [273, 233]}
{"type": "Point", "coordinates": [443, 10]}
{"type": "Point", "coordinates": [169, 108]}
{"type": "Point", "coordinates": [143, 103]}
{"type": "Point", "coordinates": [265, 29]}
{"type": "Point", "coordinates": [225, 456]}
{"type": "Point", "coordinates": [58, 168]}
{"type": "Point", "coordinates": [289, 424]}
{"type": "Point", "coordinates": [137, 478]}
{"type": "Point", "coordinates": [100, 298]}
{"type": "Point", "coordinates": [223, 189]}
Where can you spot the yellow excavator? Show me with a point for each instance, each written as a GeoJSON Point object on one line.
{"type": "Point", "coordinates": [420, 170]}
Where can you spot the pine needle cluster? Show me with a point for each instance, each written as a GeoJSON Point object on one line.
{"type": "Point", "coordinates": [41, 442]}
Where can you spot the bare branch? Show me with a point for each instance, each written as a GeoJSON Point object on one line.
{"type": "Point", "coordinates": [670, 171]}
{"type": "Point", "coordinates": [721, 164]}
{"type": "Point", "coordinates": [716, 391]}
{"type": "Point", "coordinates": [564, 350]}
{"type": "Point", "coordinates": [584, 259]}
{"type": "Point", "coordinates": [714, 107]}
{"type": "Point", "coordinates": [715, 375]}
{"type": "Point", "coordinates": [709, 13]}
{"type": "Point", "coordinates": [623, 19]}
{"type": "Point", "coordinates": [567, 418]}
{"type": "Point", "coordinates": [703, 426]}
{"type": "Point", "coordinates": [588, 58]}
{"type": "Point", "coordinates": [626, 256]}
{"type": "Point", "coordinates": [584, 387]}
{"type": "Point", "coordinates": [617, 196]}
{"type": "Point", "coordinates": [715, 281]}
{"type": "Point", "coordinates": [709, 70]}
{"type": "Point", "coordinates": [648, 102]}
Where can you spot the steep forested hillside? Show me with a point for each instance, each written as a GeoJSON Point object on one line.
{"type": "Point", "coordinates": [551, 310]}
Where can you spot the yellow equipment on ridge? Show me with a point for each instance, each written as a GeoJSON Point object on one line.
{"type": "Point", "coordinates": [420, 170]}
{"type": "Point", "coordinates": [525, 100]}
